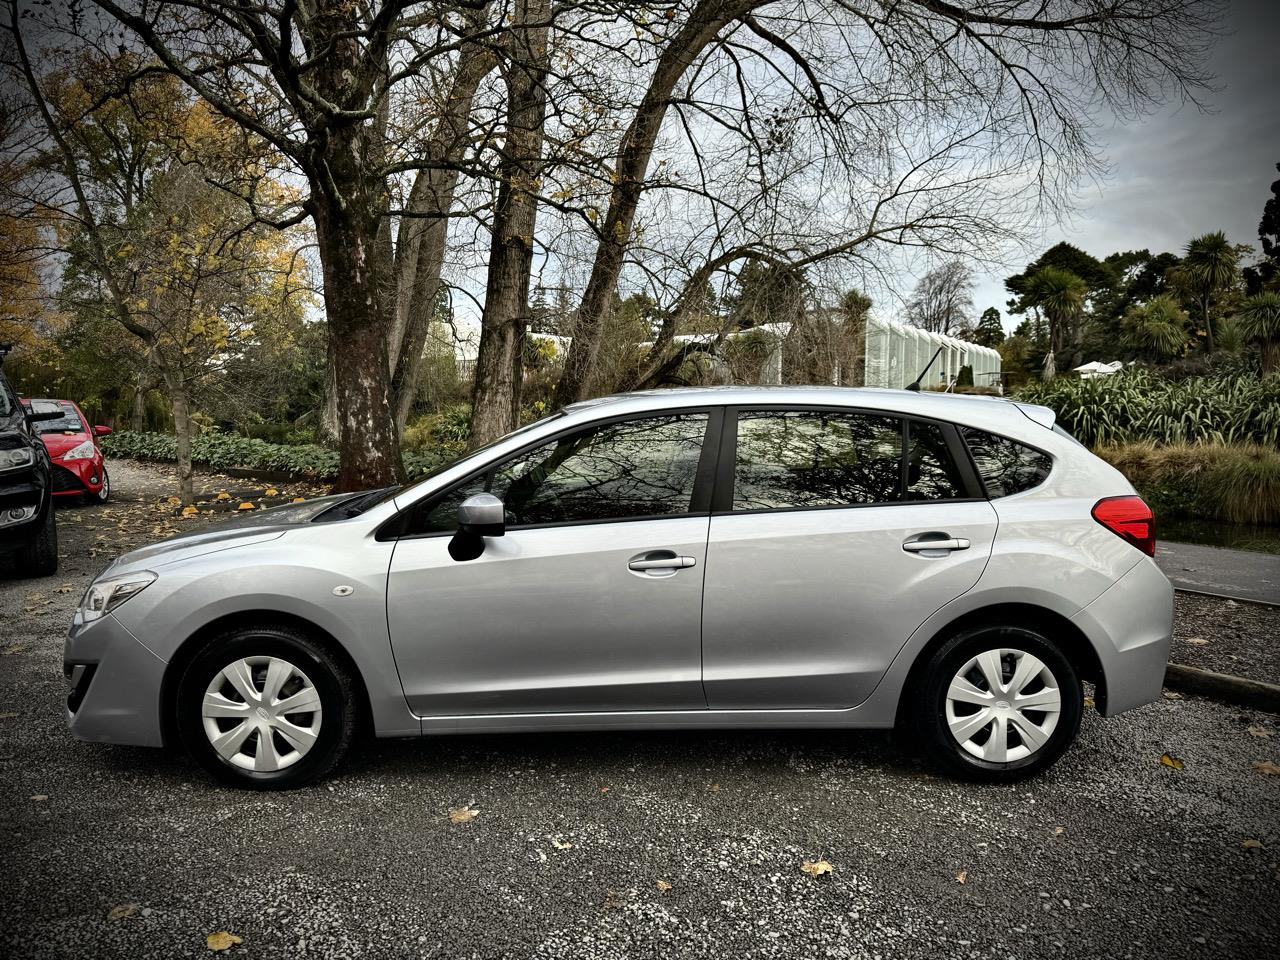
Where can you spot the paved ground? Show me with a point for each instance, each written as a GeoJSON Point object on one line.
{"type": "Point", "coordinates": [1111, 854]}
{"type": "Point", "coordinates": [1236, 573]}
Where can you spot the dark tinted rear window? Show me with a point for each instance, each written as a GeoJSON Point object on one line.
{"type": "Point", "coordinates": [1006, 466]}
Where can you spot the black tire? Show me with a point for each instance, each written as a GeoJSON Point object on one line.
{"type": "Point", "coordinates": [39, 557]}
{"type": "Point", "coordinates": [928, 704]}
{"type": "Point", "coordinates": [337, 689]}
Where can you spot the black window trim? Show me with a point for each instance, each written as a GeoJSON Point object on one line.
{"type": "Point", "coordinates": [699, 503]}
{"type": "Point", "coordinates": [722, 501]}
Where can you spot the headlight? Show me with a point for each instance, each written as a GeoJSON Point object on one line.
{"type": "Point", "coordinates": [105, 595]}
{"type": "Point", "coordinates": [18, 457]}
{"type": "Point", "coordinates": [81, 451]}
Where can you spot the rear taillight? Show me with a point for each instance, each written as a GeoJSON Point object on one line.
{"type": "Point", "coordinates": [1130, 519]}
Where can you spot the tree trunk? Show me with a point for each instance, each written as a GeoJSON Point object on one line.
{"type": "Point", "coordinates": [176, 387]}
{"type": "Point", "coordinates": [1208, 324]}
{"type": "Point", "coordinates": [421, 244]}
{"type": "Point", "coordinates": [368, 446]}
{"type": "Point", "coordinates": [1270, 357]}
{"type": "Point", "coordinates": [495, 407]}
{"type": "Point", "coordinates": [138, 416]}
{"type": "Point", "coordinates": [706, 21]}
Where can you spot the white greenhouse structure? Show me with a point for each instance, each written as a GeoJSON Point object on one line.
{"type": "Point", "coordinates": [897, 353]}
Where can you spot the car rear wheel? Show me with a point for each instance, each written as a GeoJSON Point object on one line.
{"type": "Point", "coordinates": [267, 708]}
{"type": "Point", "coordinates": [39, 558]}
{"type": "Point", "coordinates": [997, 704]}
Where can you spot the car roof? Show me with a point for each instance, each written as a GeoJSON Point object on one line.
{"type": "Point", "coordinates": [975, 408]}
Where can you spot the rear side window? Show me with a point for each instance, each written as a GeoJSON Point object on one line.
{"type": "Point", "coordinates": [1006, 466]}
{"type": "Point", "coordinates": [800, 458]}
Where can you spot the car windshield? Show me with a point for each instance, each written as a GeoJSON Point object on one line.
{"type": "Point", "coordinates": [69, 422]}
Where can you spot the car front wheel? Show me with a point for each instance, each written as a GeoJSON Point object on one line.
{"type": "Point", "coordinates": [997, 704]}
{"type": "Point", "coordinates": [267, 708]}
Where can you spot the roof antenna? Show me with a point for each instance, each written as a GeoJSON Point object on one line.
{"type": "Point", "coordinates": [915, 384]}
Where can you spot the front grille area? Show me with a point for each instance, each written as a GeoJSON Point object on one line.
{"type": "Point", "coordinates": [80, 675]}
{"type": "Point", "coordinates": [64, 480]}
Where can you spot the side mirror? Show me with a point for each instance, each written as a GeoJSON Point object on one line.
{"type": "Point", "coordinates": [100, 431]}
{"type": "Point", "coordinates": [479, 516]}
{"type": "Point", "coordinates": [44, 416]}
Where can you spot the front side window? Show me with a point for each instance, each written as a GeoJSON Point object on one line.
{"type": "Point", "coordinates": [627, 470]}
{"type": "Point", "coordinates": [801, 458]}
{"type": "Point", "coordinates": [1006, 466]}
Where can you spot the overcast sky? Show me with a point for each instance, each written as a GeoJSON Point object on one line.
{"type": "Point", "coordinates": [1180, 172]}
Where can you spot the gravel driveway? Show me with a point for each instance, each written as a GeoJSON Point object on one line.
{"type": "Point", "coordinates": [618, 845]}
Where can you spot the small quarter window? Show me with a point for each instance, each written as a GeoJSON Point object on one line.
{"type": "Point", "coordinates": [1006, 466]}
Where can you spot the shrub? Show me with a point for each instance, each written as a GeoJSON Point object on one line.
{"type": "Point", "coordinates": [1237, 483]}
{"type": "Point", "coordinates": [1136, 406]}
{"type": "Point", "coordinates": [220, 451]}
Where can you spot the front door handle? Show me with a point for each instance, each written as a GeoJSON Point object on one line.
{"type": "Point", "coordinates": [662, 563]}
{"type": "Point", "coordinates": [942, 545]}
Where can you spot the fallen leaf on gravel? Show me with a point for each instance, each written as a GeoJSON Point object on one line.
{"type": "Point", "coordinates": [272, 492]}
{"type": "Point", "coordinates": [1172, 695]}
{"type": "Point", "coordinates": [962, 876]}
{"type": "Point", "coordinates": [714, 788]}
{"type": "Point", "coordinates": [188, 511]}
{"type": "Point", "coordinates": [1266, 768]}
{"type": "Point", "coordinates": [246, 505]}
{"type": "Point", "coordinates": [816, 868]}
{"type": "Point", "coordinates": [298, 500]}
{"type": "Point", "coordinates": [1170, 761]}
{"type": "Point", "coordinates": [7, 716]}
{"type": "Point", "coordinates": [560, 844]}
{"type": "Point", "coordinates": [122, 911]}
{"type": "Point", "coordinates": [222, 940]}
{"type": "Point", "coordinates": [1088, 702]}
{"type": "Point", "coordinates": [1257, 731]}
{"type": "Point", "coordinates": [1252, 844]}
{"type": "Point", "coordinates": [663, 885]}
{"type": "Point", "coordinates": [222, 495]}
{"type": "Point", "coordinates": [463, 814]}
{"type": "Point", "coordinates": [1196, 641]}
{"type": "Point", "coordinates": [39, 797]}
{"type": "Point", "coordinates": [13, 648]}
{"type": "Point", "coordinates": [174, 501]}
{"type": "Point", "coordinates": [65, 588]}
{"type": "Point", "coordinates": [604, 789]}
{"type": "Point", "coordinates": [1059, 831]}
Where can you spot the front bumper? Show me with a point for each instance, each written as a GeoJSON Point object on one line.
{"type": "Point", "coordinates": [72, 478]}
{"type": "Point", "coordinates": [114, 685]}
{"type": "Point", "coordinates": [1131, 627]}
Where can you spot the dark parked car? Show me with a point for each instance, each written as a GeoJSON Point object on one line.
{"type": "Point", "coordinates": [28, 531]}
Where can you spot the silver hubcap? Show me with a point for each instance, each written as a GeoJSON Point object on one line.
{"type": "Point", "coordinates": [1003, 705]}
{"type": "Point", "coordinates": [261, 713]}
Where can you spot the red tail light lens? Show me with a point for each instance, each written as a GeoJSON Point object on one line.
{"type": "Point", "coordinates": [1130, 519]}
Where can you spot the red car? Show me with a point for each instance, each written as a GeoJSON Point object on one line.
{"type": "Point", "coordinates": [79, 469]}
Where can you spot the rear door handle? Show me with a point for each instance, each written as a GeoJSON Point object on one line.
{"type": "Point", "coordinates": [662, 563]}
{"type": "Point", "coordinates": [942, 545]}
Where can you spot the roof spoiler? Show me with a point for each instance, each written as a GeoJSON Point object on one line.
{"type": "Point", "coordinates": [1038, 414]}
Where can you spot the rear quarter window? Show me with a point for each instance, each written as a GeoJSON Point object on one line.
{"type": "Point", "coordinates": [1006, 466]}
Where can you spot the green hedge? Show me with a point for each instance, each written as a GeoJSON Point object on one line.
{"type": "Point", "coordinates": [1238, 483]}
{"type": "Point", "coordinates": [220, 450]}
{"type": "Point", "coordinates": [1138, 406]}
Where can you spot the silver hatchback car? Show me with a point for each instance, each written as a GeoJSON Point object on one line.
{"type": "Point", "coordinates": [720, 557]}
